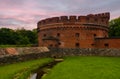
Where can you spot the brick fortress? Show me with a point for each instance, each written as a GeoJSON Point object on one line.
{"type": "Point", "coordinates": [89, 31]}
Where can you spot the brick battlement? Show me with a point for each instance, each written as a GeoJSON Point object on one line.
{"type": "Point", "coordinates": [100, 19]}
{"type": "Point", "coordinates": [73, 31]}
{"type": "Point", "coordinates": [90, 31]}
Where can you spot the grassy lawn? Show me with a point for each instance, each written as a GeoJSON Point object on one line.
{"type": "Point", "coordinates": [21, 70]}
{"type": "Point", "coordinates": [6, 46]}
{"type": "Point", "coordinates": [86, 68]}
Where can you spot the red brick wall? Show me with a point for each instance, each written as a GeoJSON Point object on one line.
{"type": "Point", "coordinates": [88, 27]}
{"type": "Point", "coordinates": [107, 43]}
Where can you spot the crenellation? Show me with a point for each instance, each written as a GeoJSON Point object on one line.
{"type": "Point", "coordinates": [100, 19]}
{"type": "Point", "coordinates": [75, 31]}
{"type": "Point", "coordinates": [92, 19]}
{"type": "Point", "coordinates": [39, 23]}
{"type": "Point", "coordinates": [64, 18]}
{"type": "Point", "coordinates": [72, 18]}
{"type": "Point", "coordinates": [47, 21]}
{"type": "Point", "coordinates": [103, 14]}
{"type": "Point", "coordinates": [81, 18]}
{"type": "Point", "coordinates": [55, 19]}
{"type": "Point", "coordinates": [107, 14]}
{"type": "Point", "coordinates": [42, 22]}
{"type": "Point", "coordinates": [90, 15]}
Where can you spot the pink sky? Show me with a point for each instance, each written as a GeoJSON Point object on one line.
{"type": "Point", "coordinates": [26, 13]}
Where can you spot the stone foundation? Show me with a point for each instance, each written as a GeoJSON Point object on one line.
{"type": "Point", "coordinates": [84, 52]}
{"type": "Point", "coordinates": [11, 55]}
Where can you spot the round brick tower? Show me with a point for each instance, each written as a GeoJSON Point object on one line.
{"type": "Point", "coordinates": [72, 31]}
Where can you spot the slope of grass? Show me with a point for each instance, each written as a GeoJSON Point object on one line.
{"type": "Point", "coordinates": [7, 46]}
{"type": "Point", "coordinates": [86, 68]}
{"type": "Point", "coordinates": [21, 70]}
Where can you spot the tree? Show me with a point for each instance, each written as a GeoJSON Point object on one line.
{"type": "Point", "coordinates": [35, 36]}
{"type": "Point", "coordinates": [7, 36]}
{"type": "Point", "coordinates": [114, 29]}
{"type": "Point", "coordinates": [29, 35]}
{"type": "Point", "coordinates": [17, 37]}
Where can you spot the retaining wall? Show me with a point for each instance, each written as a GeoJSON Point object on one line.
{"type": "Point", "coordinates": [11, 55]}
{"type": "Point", "coordinates": [84, 52]}
{"type": "Point", "coordinates": [29, 53]}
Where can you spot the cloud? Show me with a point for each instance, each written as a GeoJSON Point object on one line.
{"type": "Point", "coordinates": [26, 13]}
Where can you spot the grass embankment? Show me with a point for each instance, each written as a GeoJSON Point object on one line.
{"type": "Point", "coordinates": [21, 70]}
{"type": "Point", "coordinates": [86, 68]}
{"type": "Point", "coordinates": [7, 46]}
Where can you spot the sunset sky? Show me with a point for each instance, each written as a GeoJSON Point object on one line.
{"type": "Point", "coordinates": [26, 13]}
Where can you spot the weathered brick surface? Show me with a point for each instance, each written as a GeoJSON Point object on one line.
{"type": "Point", "coordinates": [67, 28]}
{"type": "Point", "coordinates": [107, 43]}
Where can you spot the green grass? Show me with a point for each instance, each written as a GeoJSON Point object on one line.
{"type": "Point", "coordinates": [86, 68]}
{"type": "Point", "coordinates": [6, 46]}
{"type": "Point", "coordinates": [21, 70]}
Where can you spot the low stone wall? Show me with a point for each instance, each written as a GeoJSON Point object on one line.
{"type": "Point", "coordinates": [11, 55]}
{"type": "Point", "coordinates": [21, 51]}
{"type": "Point", "coordinates": [83, 52]}
{"type": "Point", "coordinates": [23, 57]}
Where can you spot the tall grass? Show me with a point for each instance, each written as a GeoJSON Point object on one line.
{"type": "Point", "coordinates": [86, 68]}
{"type": "Point", "coordinates": [21, 70]}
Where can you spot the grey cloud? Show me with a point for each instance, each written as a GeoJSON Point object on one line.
{"type": "Point", "coordinates": [13, 2]}
{"type": "Point", "coordinates": [79, 6]}
{"type": "Point", "coordinates": [10, 21]}
{"type": "Point", "coordinates": [40, 9]}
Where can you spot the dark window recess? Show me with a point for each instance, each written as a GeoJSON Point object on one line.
{"type": "Point", "coordinates": [44, 35]}
{"type": "Point", "coordinates": [106, 45]}
{"type": "Point", "coordinates": [56, 45]}
{"type": "Point", "coordinates": [58, 34]}
{"type": "Point", "coordinates": [79, 20]}
{"type": "Point", "coordinates": [96, 19]}
{"type": "Point", "coordinates": [88, 18]}
{"type": "Point", "coordinates": [59, 43]}
{"type": "Point", "coordinates": [77, 45]}
{"type": "Point", "coordinates": [105, 36]}
{"type": "Point", "coordinates": [50, 45]}
{"type": "Point", "coordinates": [92, 44]}
{"type": "Point", "coordinates": [95, 35]}
{"type": "Point", "coordinates": [106, 22]}
{"type": "Point", "coordinates": [77, 35]}
{"type": "Point", "coordinates": [102, 20]}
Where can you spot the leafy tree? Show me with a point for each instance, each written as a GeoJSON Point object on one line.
{"type": "Point", "coordinates": [29, 35]}
{"type": "Point", "coordinates": [23, 40]}
{"type": "Point", "coordinates": [114, 27]}
{"type": "Point", "coordinates": [7, 36]}
{"type": "Point", "coordinates": [17, 37]}
{"type": "Point", "coordinates": [34, 36]}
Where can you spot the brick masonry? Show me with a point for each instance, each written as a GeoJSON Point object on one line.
{"type": "Point", "coordinates": [76, 32]}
